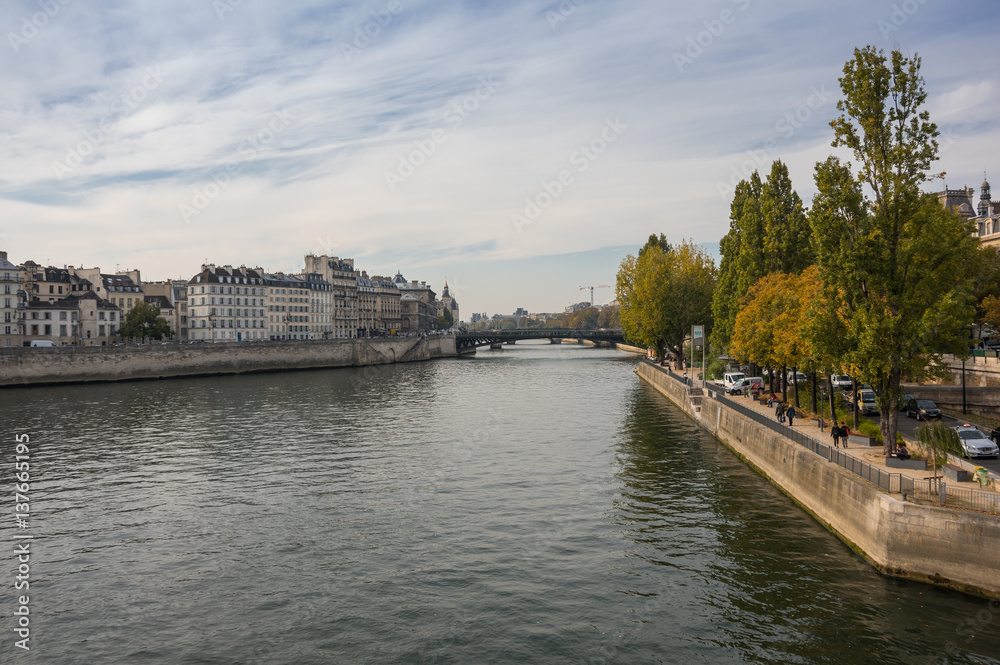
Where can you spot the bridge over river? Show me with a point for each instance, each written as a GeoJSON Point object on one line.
{"type": "Point", "coordinates": [467, 341]}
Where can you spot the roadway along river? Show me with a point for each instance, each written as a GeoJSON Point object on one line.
{"type": "Point", "coordinates": [535, 505]}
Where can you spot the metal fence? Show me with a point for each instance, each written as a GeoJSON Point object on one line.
{"type": "Point", "coordinates": [934, 490]}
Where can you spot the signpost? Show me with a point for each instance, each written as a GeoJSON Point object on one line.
{"type": "Point", "coordinates": [698, 338]}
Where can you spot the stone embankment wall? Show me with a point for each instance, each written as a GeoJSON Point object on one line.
{"type": "Point", "coordinates": [955, 548]}
{"type": "Point", "coordinates": [979, 371]}
{"type": "Point", "coordinates": [984, 401]}
{"type": "Point", "coordinates": [39, 366]}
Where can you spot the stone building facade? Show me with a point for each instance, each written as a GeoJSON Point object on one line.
{"type": "Point", "coordinates": [985, 213]}
{"type": "Point", "coordinates": [12, 299]}
{"type": "Point", "coordinates": [418, 309]}
{"type": "Point", "coordinates": [339, 273]}
{"type": "Point", "coordinates": [227, 304]}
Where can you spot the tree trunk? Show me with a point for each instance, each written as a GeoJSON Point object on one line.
{"type": "Point", "coordinates": [784, 383]}
{"type": "Point", "coordinates": [770, 380]}
{"type": "Point", "coordinates": [833, 407]}
{"type": "Point", "coordinates": [795, 386]}
{"type": "Point", "coordinates": [889, 414]}
{"type": "Point", "coordinates": [854, 401]}
{"type": "Point", "coordinates": [815, 406]}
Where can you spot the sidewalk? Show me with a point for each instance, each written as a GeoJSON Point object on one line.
{"type": "Point", "coordinates": [871, 454]}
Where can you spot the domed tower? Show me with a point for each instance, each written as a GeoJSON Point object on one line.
{"type": "Point", "coordinates": [984, 199]}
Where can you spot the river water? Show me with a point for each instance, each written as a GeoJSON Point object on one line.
{"type": "Point", "coordinates": [538, 504]}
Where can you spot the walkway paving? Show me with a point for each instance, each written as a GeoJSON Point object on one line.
{"type": "Point", "coordinates": [871, 454]}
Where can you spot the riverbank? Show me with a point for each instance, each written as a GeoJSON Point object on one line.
{"type": "Point", "coordinates": [959, 549]}
{"type": "Point", "coordinates": [49, 366]}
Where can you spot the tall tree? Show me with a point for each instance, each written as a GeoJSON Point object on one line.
{"type": "Point", "coordinates": [661, 294]}
{"type": "Point", "coordinates": [894, 259]}
{"type": "Point", "coordinates": [769, 232]}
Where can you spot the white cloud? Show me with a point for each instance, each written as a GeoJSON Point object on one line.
{"type": "Point", "coordinates": [321, 175]}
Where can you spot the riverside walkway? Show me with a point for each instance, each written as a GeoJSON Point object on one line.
{"type": "Point", "coordinates": [869, 462]}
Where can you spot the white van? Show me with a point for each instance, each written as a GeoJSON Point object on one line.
{"type": "Point", "coordinates": [42, 342]}
{"type": "Point", "coordinates": [733, 377]}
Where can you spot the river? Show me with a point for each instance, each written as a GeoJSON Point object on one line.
{"type": "Point", "coordinates": [538, 504]}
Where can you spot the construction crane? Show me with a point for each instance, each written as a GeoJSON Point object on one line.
{"type": "Point", "coordinates": [602, 286]}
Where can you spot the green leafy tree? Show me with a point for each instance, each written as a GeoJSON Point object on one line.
{"type": "Point", "coordinates": [986, 284]}
{"type": "Point", "coordinates": [662, 293]}
{"type": "Point", "coordinates": [144, 321]}
{"type": "Point", "coordinates": [769, 232]}
{"type": "Point", "coordinates": [894, 261]}
{"type": "Point", "coordinates": [446, 320]}
{"type": "Point", "coordinates": [609, 317]}
{"type": "Point", "coordinates": [941, 440]}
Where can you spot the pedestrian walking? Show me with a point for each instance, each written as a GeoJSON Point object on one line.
{"type": "Point", "coordinates": [844, 433]}
{"type": "Point", "coordinates": [835, 433]}
{"type": "Point", "coordinates": [791, 415]}
{"type": "Point", "coordinates": [779, 412]}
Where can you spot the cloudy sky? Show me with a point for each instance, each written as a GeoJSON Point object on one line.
{"type": "Point", "coordinates": [517, 149]}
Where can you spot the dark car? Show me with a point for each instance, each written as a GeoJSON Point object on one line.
{"type": "Point", "coordinates": [995, 435]}
{"type": "Point", "coordinates": [922, 409]}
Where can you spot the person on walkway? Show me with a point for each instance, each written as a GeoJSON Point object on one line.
{"type": "Point", "coordinates": [844, 433]}
{"type": "Point", "coordinates": [791, 415]}
{"type": "Point", "coordinates": [779, 412]}
{"type": "Point", "coordinates": [835, 433]}
{"type": "Point", "coordinates": [902, 452]}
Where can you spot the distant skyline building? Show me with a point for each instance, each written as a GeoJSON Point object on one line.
{"type": "Point", "coordinates": [985, 214]}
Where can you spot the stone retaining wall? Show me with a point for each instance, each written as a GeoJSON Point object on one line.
{"type": "Point", "coordinates": [984, 401]}
{"type": "Point", "coordinates": [38, 366]}
{"type": "Point", "coordinates": [954, 548]}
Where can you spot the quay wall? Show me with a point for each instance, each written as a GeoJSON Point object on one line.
{"type": "Point", "coordinates": [955, 548]}
{"type": "Point", "coordinates": [40, 366]}
{"type": "Point", "coordinates": [984, 401]}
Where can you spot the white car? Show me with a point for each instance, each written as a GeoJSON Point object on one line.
{"type": "Point", "coordinates": [976, 443]}
{"type": "Point", "coordinates": [841, 381]}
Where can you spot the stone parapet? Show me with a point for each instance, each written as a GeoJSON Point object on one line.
{"type": "Point", "coordinates": [955, 548]}
{"type": "Point", "coordinates": [42, 366]}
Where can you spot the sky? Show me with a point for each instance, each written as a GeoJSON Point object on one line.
{"type": "Point", "coordinates": [518, 150]}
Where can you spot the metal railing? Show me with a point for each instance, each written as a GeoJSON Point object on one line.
{"type": "Point", "coordinates": [894, 483]}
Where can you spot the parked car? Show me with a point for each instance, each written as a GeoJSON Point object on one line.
{"type": "Point", "coordinates": [797, 377]}
{"type": "Point", "coordinates": [992, 344]}
{"type": "Point", "coordinates": [922, 409]}
{"type": "Point", "coordinates": [866, 403]}
{"type": "Point", "coordinates": [904, 400]}
{"type": "Point", "coordinates": [732, 377]}
{"type": "Point", "coordinates": [841, 381]}
{"type": "Point", "coordinates": [745, 386]}
{"type": "Point", "coordinates": [976, 443]}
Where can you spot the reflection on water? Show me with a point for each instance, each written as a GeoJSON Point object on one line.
{"type": "Point", "coordinates": [537, 504]}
